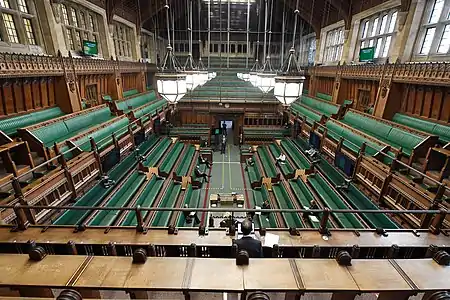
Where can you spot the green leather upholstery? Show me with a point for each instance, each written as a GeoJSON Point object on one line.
{"type": "Point", "coordinates": [327, 109]}
{"type": "Point", "coordinates": [433, 128]}
{"type": "Point", "coordinates": [268, 165]}
{"type": "Point", "coordinates": [386, 133]}
{"type": "Point", "coordinates": [286, 168]}
{"type": "Point", "coordinates": [150, 109]}
{"type": "Point", "coordinates": [10, 125]}
{"type": "Point", "coordinates": [170, 160]}
{"type": "Point", "coordinates": [183, 168]}
{"type": "Point", "coordinates": [310, 115]}
{"type": "Point", "coordinates": [135, 102]}
{"type": "Point", "coordinates": [324, 96]}
{"type": "Point", "coordinates": [130, 93]}
{"type": "Point", "coordinates": [298, 159]}
{"type": "Point", "coordinates": [331, 199]}
{"type": "Point", "coordinates": [284, 201]}
{"type": "Point", "coordinates": [352, 140]}
{"type": "Point", "coordinates": [68, 128]}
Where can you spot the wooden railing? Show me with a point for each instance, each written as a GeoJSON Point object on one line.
{"type": "Point", "coordinates": [435, 73]}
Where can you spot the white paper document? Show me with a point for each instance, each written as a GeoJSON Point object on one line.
{"type": "Point", "coordinates": [271, 239]}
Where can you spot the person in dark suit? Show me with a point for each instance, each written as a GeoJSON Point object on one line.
{"type": "Point", "coordinates": [247, 243]}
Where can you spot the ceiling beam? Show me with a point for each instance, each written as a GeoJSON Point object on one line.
{"type": "Point", "coordinates": [312, 16]}
{"type": "Point", "coordinates": [343, 8]}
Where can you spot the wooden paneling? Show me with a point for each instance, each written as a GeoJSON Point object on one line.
{"type": "Point", "coordinates": [26, 94]}
{"type": "Point", "coordinates": [194, 118]}
{"type": "Point", "coordinates": [350, 90]}
{"type": "Point", "coordinates": [431, 102]}
{"type": "Point", "coordinates": [325, 85]}
{"type": "Point", "coordinates": [100, 80]}
{"type": "Point", "coordinates": [129, 81]}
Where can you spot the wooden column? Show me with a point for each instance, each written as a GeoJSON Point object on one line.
{"type": "Point", "coordinates": [115, 83]}
{"type": "Point", "coordinates": [67, 86]}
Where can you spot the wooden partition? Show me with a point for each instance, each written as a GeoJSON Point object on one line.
{"type": "Point", "coordinates": [25, 95]}
{"type": "Point", "coordinates": [395, 191]}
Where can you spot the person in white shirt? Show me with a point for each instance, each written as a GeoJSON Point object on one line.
{"type": "Point", "coordinates": [281, 159]}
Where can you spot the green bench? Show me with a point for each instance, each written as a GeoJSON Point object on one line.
{"type": "Point", "coordinates": [127, 105]}
{"type": "Point", "coordinates": [284, 201]}
{"type": "Point", "coordinates": [198, 180]}
{"type": "Point", "coordinates": [268, 165]}
{"type": "Point", "coordinates": [433, 128]}
{"type": "Point", "coordinates": [324, 107]}
{"type": "Point", "coordinates": [96, 194]}
{"type": "Point", "coordinates": [304, 198]}
{"type": "Point", "coordinates": [305, 92]}
{"type": "Point", "coordinates": [331, 199]}
{"type": "Point", "coordinates": [300, 161]}
{"type": "Point", "coordinates": [286, 168]}
{"type": "Point", "coordinates": [169, 199]}
{"type": "Point", "coordinates": [254, 174]}
{"type": "Point", "coordinates": [9, 125]}
{"type": "Point", "coordinates": [119, 199]}
{"type": "Point", "coordinates": [167, 165]}
{"type": "Point", "coordinates": [69, 126]}
{"type": "Point", "coordinates": [157, 153]}
{"type": "Point", "coordinates": [191, 199]}
{"type": "Point", "coordinates": [325, 97]}
{"type": "Point", "coordinates": [302, 111]}
{"type": "Point", "coordinates": [102, 135]}
{"type": "Point", "coordinates": [183, 168]}
{"type": "Point", "coordinates": [383, 131]}
{"type": "Point", "coordinates": [355, 197]}
{"type": "Point", "coordinates": [352, 140]}
{"type": "Point", "coordinates": [130, 93]}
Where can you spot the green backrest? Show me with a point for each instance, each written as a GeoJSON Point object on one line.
{"type": "Point", "coordinates": [141, 99]}
{"type": "Point", "coordinates": [427, 126]}
{"type": "Point", "coordinates": [130, 93]}
{"type": "Point", "coordinates": [367, 125]}
{"type": "Point", "coordinates": [323, 96]}
{"type": "Point", "coordinates": [309, 114]}
{"type": "Point", "coordinates": [305, 92]}
{"type": "Point", "coordinates": [100, 136]}
{"type": "Point", "coordinates": [107, 98]}
{"type": "Point", "coordinates": [326, 108]}
{"type": "Point", "coordinates": [52, 132]}
{"type": "Point", "coordinates": [10, 125]}
{"type": "Point", "coordinates": [90, 119]}
{"type": "Point", "coordinates": [150, 108]}
{"type": "Point", "coordinates": [405, 139]}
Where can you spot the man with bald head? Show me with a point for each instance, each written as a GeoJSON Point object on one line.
{"type": "Point", "coordinates": [247, 243]}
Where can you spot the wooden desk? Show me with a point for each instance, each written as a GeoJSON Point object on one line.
{"type": "Point", "coordinates": [280, 275]}
{"type": "Point", "coordinates": [426, 274]}
{"type": "Point", "coordinates": [52, 271]}
{"type": "Point", "coordinates": [324, 275]}
{"type": "Point", "coordinates": [219, 275]}
{"type": "Point", "coordinates": [119, 272]}
{"type": "Point", "coordinates": [377, 275]}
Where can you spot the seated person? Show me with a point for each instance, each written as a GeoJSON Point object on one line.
{"type": "Point", "coordinates": [190, 215]}
{"type": "Point", "coordinates": [265, 205]}
{"type": "Point", "coordinates": [249, 162]}
{"type": "Point", "coordinates": [312, 205]}
{"type": "Point", "coordinates": [201, 174]}
{"type": "Point", "coordinates": [247, 243]}
{"type": "Point", "coordinates": [281, 159]}
{"type": "Point", "coordinates": [203, 160]}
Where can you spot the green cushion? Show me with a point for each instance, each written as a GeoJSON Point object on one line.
{"type": "Point", "coordinates": [10, 125]}
{"type": "Point", "coordinates": [51, 133]}
{"type": "Point", "coordinates": [130, 93]}
{"type": "Point", "coordinates": [427, 126]}
{"type": "Point", "coordinates": [327, 109]}
{"type": "Point", "coordinates": [324, 96]}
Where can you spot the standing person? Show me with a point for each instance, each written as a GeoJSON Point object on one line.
{"type": "Point", "coordinates": [224, 128]}
{"type": "Point", "coordinates": [281, 159]}
{"type": "Point", "coordinates": [224, 144]}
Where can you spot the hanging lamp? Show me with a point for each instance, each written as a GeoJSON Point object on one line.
{"type": "Point", "coordinates": [192, 74]}
{"type": "Point", "coordinates": [171, 84]}
{"type": "Point", "coordinates": [251, 75]}
{"type": "Point", "coordinates": [202, 71]}
{"type": "Point", "coordinates": [265, 79]}
{"type": "Point", "coordinates": [289, 83]}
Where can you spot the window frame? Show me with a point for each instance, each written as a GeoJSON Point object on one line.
{"type": "Point", "coordinates": [334, 45]}
{"type": "Point", "coordinates": [123, 40]}
{"type": "Point", "coordinates": [442, 22]}
{"type": "Point", "coordinates": [86, 23]}
{"type": "Point", "coordinates": [371, 36]}
{"type": "Point", "coordinates": [18, 16]}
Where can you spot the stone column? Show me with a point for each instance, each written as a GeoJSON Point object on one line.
{"type": "Point", "coordinates": [52, 30]}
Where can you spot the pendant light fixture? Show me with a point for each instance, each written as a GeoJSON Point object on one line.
{"type": "Point", "coordinates": [203, 72]}
{"type": "Point", "coordinates": [192, 74]}
{"type": "Point", "coordinates": [265, 79]}
{"type": "Point", "coordinates": [289, 83]}
{"type": "Point", "coordinates": [170, 83]}
{"type": "Point", "coordinates": [251, 76]}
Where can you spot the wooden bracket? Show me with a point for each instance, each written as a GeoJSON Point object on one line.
{"type": "Point", "coordinates": [197, 147]}
{"type": "Point", "coordinates": [278, 142]}
{"type": "Point", "coordinates": [174, 140]}
{"type": "Point", "coordinates": [267, 181]}
{"type": "Point", "coordinates": [300, 173]}
{"type": "Point", "coordinates": [151, 171]}
{"type": "Point", "coordinates": [185, 181]}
